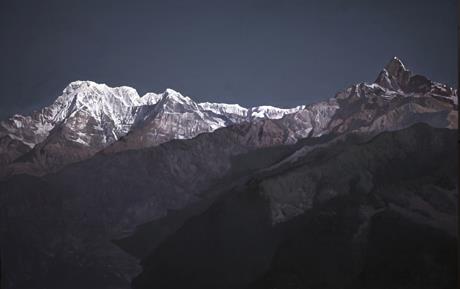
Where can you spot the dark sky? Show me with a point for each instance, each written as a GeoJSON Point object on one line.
{"type": "Point", "coordinates": [251, 52]}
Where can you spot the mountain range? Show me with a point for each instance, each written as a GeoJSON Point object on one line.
{"type": "Point", "coordinates": [89, 118]}
{"type": "Point", "coordinates": [206, 195]}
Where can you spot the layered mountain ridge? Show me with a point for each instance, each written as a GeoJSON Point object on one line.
{"type": "Point", "coordinates": [89, 118]}
{"type": "Point", "coordinates": [345, 169]}
{"type": "Point", "coordinates": [376, 213]}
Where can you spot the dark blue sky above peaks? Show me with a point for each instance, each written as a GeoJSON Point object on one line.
{"type": "Point", "coordinates": [251, 52]}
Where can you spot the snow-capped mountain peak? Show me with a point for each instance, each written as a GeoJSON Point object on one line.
{"type": "Point", "coordinates": [88, 91]}
{"type": "Point", "coordinates": [82, 104]}
{"type": "Point", "coordinates": [172, 101]}
{"type": "Point", "coordinates": [172, 92]}
{"type": "Point", "coordinates": [150, 98]}
{"type": "Point", "coordinates": [175, 96]}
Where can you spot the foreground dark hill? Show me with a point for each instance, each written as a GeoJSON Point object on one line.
{"type": "Point", "coordinates": [61, 227]}
{"type": "Point", "coordinates": [374, 214]}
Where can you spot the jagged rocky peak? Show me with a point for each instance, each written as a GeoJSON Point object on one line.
{"type": "Point", "coordinates": [397, 80]}
{"type": "Point", "coordinates": [396, 68]}
{"type": "Point", "coordinates": [394, 76]}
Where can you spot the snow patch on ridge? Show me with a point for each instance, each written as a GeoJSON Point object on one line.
{"type": "Point", "coordinates": [266, 111]}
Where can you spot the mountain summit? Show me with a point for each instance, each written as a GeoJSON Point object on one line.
{"type": "Point", "coordinates": [394, 76]}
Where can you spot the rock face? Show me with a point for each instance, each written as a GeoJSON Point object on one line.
{"type": "Point", "coordinates": [136, 181]}
{"type": "Point", "coordinates": [396, 77]}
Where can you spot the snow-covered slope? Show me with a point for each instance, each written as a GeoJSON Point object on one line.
{"type": "Point", "coordinates": [237, 111]}
{"type": "Point", "coordinates": [271, 112]}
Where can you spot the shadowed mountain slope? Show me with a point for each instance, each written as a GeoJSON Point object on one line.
{"type": "Point", "coordinates": [374, 214]}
